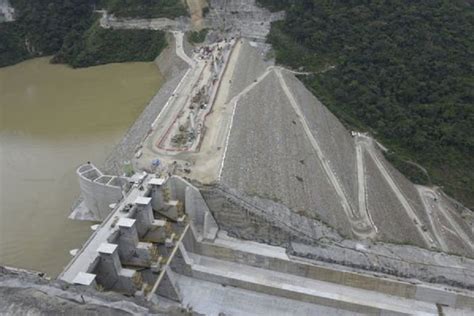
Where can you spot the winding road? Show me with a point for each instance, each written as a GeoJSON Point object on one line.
{"type": "Point", "coordinates": [367, 143]}
{"type": "Point", "coordinates": [435, 204]}
{"type": "Point", "coordinates": [361, 226]}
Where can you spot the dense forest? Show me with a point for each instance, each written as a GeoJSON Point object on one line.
{"type": "Point", "coordinates": [197, 36]}
{"type": "Point", "coordinates": [40, 27]}
{"type": "Point", "coordinates": [400, 69]}
{"type": "Point", "coordinates": [101, 46]}
{"type": "Point", "coordinates": [68, 30]}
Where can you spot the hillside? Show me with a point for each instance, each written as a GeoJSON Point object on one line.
{"type": "Point", "coordinates": [101, 46]}
{"type": "Point", "coordinates": [401, 70]}
{"type": "Point", "coordinates": [68, 30]}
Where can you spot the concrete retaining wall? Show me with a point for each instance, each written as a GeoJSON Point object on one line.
{"type": "Point", "coordinates": [348, 278]}
{"type": "Point", "coordinates": [251, 218]}
{"type": "Point", "coordinates": [97, 190]}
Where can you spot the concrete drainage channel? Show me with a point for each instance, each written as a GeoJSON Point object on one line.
{"type": "Point", "coordinates": [268, 270]}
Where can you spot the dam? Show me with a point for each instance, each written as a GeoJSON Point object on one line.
{"type": "Point", "coordinates": [162, 242]}
{"type": "Point", "coordinates": [248, 196]}
{"type": "Point", "coordinates": [171, 236]}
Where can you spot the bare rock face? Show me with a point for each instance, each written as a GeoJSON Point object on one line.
{"type": "Point", "coordinates": [241, 17]}
{"type": "Point", "coordinates": [35, 302]}
{"type": "Point", "coordinates": [30, 293]}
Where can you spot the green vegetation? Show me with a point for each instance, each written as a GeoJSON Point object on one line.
{"type": "Point", "coordinates": [40, 27]}
{"type": "Point", "coordinates": [144, 8]}
{"type": "Point", "coordinates": [101, 46]}
{"type": "Point", "coordinates": [69, 31]}
{"type": "Point", "coordinates": [12, 48]}
{"type": "Point", "coordinates": [45, 23]}
{"type": "Point", "coordinates": [402, 71]}
{"type": "Point", "coordinates": [197, 36]}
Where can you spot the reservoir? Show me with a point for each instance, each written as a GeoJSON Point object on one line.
{"type": "Point", "coordinates": [53, 118]}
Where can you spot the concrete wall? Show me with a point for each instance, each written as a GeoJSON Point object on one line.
{"type": "Point", "coordinates": [200, 215]}
{"type": "Point", "coordinates": [195, 206]}
{"type": "Point", "coordinates": [252, 218]}
{"type": "Point", "coordinates": [177, 188]}
{"type": "Point", "coordinates": [300, 269]}
{"type": "Point", "coordinates": [98, 194]}
{"type": "Point", "coordinates": [340, 276]}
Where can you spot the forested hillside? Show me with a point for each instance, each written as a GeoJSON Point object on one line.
{"type": "Point", "coordinates": [101, 46]}
{"type": "Point", "coordinates": [69, 30]}
{"type": "Point", "coordinates": [41, 27]}
{"type": "Point", "coordinates": [402, 70]}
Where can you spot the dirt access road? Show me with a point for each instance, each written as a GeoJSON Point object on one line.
{"type": "Point", "coordinates": [196, 10]}
{"type": "Point", "coordinates": [441, 217]}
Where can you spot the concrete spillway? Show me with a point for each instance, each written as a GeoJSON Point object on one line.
{"type": "Point", "coordinates": [162, 241]}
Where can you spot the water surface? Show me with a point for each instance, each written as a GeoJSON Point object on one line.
{"type": "Point", "coordinates": [53, 118]}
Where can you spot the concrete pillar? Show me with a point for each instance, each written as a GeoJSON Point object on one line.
{"type": "Point", "coordinates": [128, 239]}
{"type": "Point", "coordinates": [144, 215]}
{"type": "Point", "coordinates": [110, 265]}
{"type": "Point", "coordinates": [157, 201]}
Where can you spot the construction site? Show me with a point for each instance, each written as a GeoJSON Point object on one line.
{"type": "Point", "coordinates": [245, 195]}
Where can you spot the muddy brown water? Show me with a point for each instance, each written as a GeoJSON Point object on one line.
{"type": "Point", "coordinates": [53, 118]}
